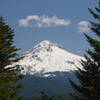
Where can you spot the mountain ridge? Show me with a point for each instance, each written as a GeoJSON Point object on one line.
{"type": "Point", "coordinates": [48, 66]}
{"type": "Point", "coordinates": [47, 57]}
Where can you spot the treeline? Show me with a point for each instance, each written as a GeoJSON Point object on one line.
{"type": "Point", "coordinates": [89, 76]}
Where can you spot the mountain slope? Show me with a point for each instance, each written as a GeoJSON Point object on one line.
{"type": "Point", "coordinates": [47, 66]}
{"type": "Point", "coordinates": [47, 57]}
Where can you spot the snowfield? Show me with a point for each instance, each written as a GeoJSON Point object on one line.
{"type": "Point", "coordinates": [47, 57]}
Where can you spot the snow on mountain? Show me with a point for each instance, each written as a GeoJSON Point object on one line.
{"type": "Point", "coordinates": [48, 57]}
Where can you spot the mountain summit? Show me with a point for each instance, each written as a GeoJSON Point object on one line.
{"type": "Point", "coordinates": [47, 57]}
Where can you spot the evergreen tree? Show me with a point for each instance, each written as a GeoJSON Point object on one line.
{"type": "Point", "coordinates": [44, 96]}
{"type": "Point", "coordinates": [62, 97]}
{"type": "Point", "coordinates": [89, 76]}
{"type": "Point", "coordinates": [9, 76]}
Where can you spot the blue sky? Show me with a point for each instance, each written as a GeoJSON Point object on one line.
{"type": "Point", "coordinates": [60, 21]}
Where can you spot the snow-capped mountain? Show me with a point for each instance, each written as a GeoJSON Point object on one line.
{"type": "Point", "coordinates": [47, 57]}
{"type": "Point", "coordinates": [48, 66]}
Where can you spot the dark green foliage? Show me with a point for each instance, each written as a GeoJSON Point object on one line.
{"type": "Point", "coordinates": [62, 97]}
{"type": "Point", "coordinates": [89, 76]}
{"type": "Point", "coordinates": [44, 96]}
{"type": "Point", "coordinates": [9, 76]}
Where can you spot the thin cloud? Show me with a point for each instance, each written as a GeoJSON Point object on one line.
{"type": "Point", "coordinates": [83, 26]}
{"type": "Point", "coordinates": [43, 21]}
